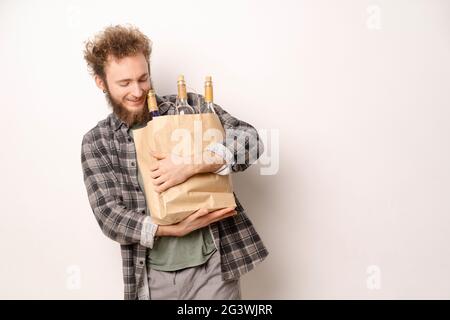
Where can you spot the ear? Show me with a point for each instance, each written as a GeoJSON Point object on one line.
{"type": "Point", "coordinates": [100, 83]}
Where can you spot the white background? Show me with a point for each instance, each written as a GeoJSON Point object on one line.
{"type": "Point", "coordinates": [359, 92]}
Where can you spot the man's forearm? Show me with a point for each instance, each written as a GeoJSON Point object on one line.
{"type": "Point", "coordinates": [164, 231]}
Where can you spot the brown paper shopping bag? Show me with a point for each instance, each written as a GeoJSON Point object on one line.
{"type": "Point", "coordinates": [186, 136]}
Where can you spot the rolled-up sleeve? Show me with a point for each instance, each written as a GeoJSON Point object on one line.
{"type": "Point", "coordinates": [241, 140]}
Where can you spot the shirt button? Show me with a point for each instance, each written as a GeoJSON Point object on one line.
{"type": "Point", "coordinates": [132, 164]}
{"type": "Point", "coordinates": [129, 139]}
{"type": "Point", "coordinates": [137, 189]}
{"type": "Point", "coordinates": [143, 211]}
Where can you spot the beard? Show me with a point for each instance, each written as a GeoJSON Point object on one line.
{"type": "Point", "coordinates": [130, 118]}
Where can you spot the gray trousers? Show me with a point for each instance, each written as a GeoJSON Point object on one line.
{"type": "Point", "coordinates": [202, 282]}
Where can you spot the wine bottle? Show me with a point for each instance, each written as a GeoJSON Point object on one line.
{"type": "Point", "coordinates": [151, 103]}
{"type": "Point", "coordinates": [209, 95]}
{"type": "Point", "coordinates": [181, 103]}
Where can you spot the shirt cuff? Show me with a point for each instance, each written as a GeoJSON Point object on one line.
{"type": "Point", "coordinates": [224, 153]}
{"type": "Point", "coordinates": [223, 170]}
{"type": "Point", "coordinates": [148, 232]}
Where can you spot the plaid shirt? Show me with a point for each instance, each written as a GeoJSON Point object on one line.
{"type": "Point", "coordinates": [109, 164]}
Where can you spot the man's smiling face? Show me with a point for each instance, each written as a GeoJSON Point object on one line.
{"type": "Point", "coordinates": [127, 82]}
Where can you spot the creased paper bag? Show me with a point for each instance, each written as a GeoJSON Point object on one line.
{"type": "Point", "coordinates": [186, 136]}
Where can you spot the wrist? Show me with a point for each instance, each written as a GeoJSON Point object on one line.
{"type": "Point", "coordinates": [211, 162]}
{"type": "Point", "coordinates": [165, 231]}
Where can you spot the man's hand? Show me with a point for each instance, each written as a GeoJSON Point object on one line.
{"type": "Point", "coordinates": [166, 173]}
{"type": "Point", "coordinates": [199, 219]}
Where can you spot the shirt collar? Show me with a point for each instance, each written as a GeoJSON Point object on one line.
{"type": "Point", "coordinates": [116, 123]}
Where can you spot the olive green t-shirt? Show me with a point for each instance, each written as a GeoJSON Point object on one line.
{"type": "Point", "coordinates": [175, 253]}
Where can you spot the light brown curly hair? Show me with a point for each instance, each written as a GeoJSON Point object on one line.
{"type": "Point", "coordinates": [116, 41]}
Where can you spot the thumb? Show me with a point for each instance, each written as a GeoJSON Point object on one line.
{"type": "Point", "coordinates": [158, 155]}
{"type": "Point", "coordinates": [202, 212]}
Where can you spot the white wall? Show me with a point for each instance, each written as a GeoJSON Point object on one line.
{"type": "Point", "coordinates": [359, 92]}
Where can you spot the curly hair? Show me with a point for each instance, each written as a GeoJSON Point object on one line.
{"type": "Point", "coordinates": [116, 41]}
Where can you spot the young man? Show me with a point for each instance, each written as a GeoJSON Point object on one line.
{"type": "Point", "coordinates": [201, 257]}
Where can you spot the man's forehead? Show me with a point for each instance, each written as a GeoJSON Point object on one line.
{"type": "Point", "coordinates": [131, 66]}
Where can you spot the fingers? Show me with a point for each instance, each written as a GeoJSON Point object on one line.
{"type": "Point", "coordinates": [201, 212]}
{"type": "Point", "coordinates": [196, 216]}
{"type": "Point", "coordinates": [201, 218]}
{"type": "Point", "coordinates": [205, 217]}
{"type": "Point", "coordinates": [223, 211]}
{"type": "Point", "coordinates": [214, 214]}
{"type": "Point", "coordinates": [154, 166]}
{"type": "Point", "coordinates": [163, 187]}
{"type": "Point", "coordinates": [229, 209]}
{"type": "Point", "coordinates": [227, 215]}
{"type": "Point", "coordinates": [159, 180]}
{"type": "Point", "coordinates": [221, 214]}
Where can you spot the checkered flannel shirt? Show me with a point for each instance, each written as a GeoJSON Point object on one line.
{"type": "Point", "coordinates": [108, 158]}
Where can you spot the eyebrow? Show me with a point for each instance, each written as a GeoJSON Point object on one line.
{"type": "Point", "coordinates": [124, 80]}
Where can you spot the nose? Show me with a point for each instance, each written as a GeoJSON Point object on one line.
{"type": "Point", "coordinates": [137, 90]}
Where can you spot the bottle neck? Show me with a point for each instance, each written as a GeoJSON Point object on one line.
{"type": "Point", "coordinates": [182, 95]}
{"type": "Point", "coordinates": [151, 102]}
{"type": "Point", "coordinates": [208, 93]}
